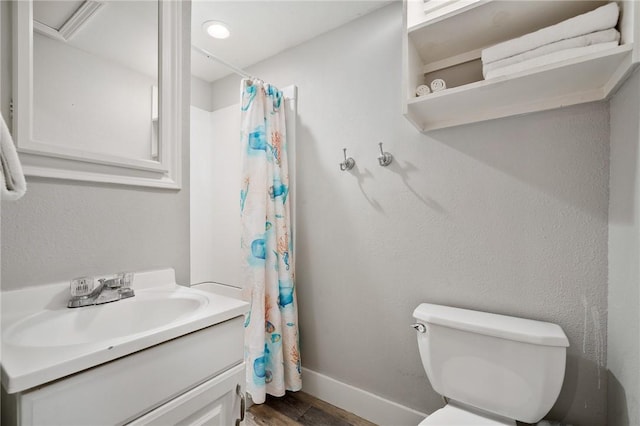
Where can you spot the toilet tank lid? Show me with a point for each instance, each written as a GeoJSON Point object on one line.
{"type": "Point", "coordinates": [503, 326]}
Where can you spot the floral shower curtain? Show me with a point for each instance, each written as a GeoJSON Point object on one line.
{"type": "Point", "coordinates": [271, 328]}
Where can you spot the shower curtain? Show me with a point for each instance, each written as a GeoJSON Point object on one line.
{"type": "Point", "coordinates": [272, 353]}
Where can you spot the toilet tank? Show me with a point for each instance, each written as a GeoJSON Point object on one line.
{"type": "Point", "coordinates": [513, 367]}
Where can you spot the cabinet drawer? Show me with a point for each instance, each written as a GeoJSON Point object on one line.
{"type": "Point", "coordinates": [213, 403]}
{"type": "Point", "coordinates": [124, 389]}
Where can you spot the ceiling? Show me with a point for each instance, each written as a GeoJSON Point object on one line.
{"type": "Point", "coordinates": [259, 29]}
{"type": "Point", "coordinates": [263, 28]}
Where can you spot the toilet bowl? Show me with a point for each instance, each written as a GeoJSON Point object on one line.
{"type": "Point", "coordinates": [493, 369]}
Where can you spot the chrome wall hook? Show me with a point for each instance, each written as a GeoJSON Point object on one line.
{"type": "Point", "coordinates": [348, 162]}
{"type": "Point", "coordinates": [384, 158]}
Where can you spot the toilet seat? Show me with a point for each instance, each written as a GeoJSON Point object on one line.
{"type": "Point", "coordinates": [453, 415]}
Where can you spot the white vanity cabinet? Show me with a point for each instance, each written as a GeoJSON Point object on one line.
{"type": "Point", "coordinates": [195, 379]}
{"type": "Point", "coordinates": [444, 39]}
{"type": "Point", "coordinates": [217, 402]}
{"type": "Point", "coordinates": [191, 380]}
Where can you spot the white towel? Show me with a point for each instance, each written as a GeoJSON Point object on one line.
{"type": "Point", "coordinates": [438, 84]}
{"type": "Point", "coordinates": [12, 183]}
{"type": "Point", "coordinates": [549, 59]}
{"type": "Point", "coordinates": [422, 90]}
{"type": "Point", "coordinates": [570, 43]}
{"type": "Point", "coordinates": [602, 18]}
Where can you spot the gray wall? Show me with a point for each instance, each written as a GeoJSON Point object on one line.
{"type": "Point", "coordinates": [63, 229]}
{"type": "Point", "coordinates": [623, 358]}
{"type": "Point", "coordinates": [201, 94]}
{"type": "Point", "coordinates": [506, 216]}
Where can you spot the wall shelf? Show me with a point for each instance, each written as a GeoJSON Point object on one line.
{"type": "Point", "coordinates": [436, 46]}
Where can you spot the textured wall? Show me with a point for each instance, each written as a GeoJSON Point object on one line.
{"type": "Point", "coordinates": [623, 347]}
{"type": "Point", "coordinates": [507, 216]}
{"type": "Point", "coordinates": [60, 230]}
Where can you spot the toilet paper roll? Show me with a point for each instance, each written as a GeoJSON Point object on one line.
{"type": "Point", "coordinates": [422, 90]}
{"type": "Point", "coordinates": [438, 84]}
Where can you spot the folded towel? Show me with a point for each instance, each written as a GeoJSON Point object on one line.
{"type": "Point", "coordinates": [549, 59]}
{"type": "Point", "coordinates": [602, 18]}
{"type": "Point", "coordinates": [12, 183]}
{"type": "Point", "coordinates": [570, 43]}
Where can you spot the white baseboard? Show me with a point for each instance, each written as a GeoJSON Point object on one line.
{"type": "Point", "coordinates": [359, 402]}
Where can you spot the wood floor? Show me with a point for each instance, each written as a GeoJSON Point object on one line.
{"type": "Point", "coordinates": [299, 408]}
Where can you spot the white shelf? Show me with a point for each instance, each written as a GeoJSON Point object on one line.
{"type": "Point", "coordinates": [585, 79]}
{"type": "Point", "coordinates": [457, 36]}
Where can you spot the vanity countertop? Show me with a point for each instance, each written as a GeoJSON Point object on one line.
{"type": "Point", "coordinates": [43, 340]}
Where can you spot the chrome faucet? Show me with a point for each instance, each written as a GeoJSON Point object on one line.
{"type": "Point", "coordinates": [84, 292]}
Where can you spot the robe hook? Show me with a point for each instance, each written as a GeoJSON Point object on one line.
{"type": "Point", "coordinates": [348, 163]}
{"type": "Point", "coordinates": [384, 158]}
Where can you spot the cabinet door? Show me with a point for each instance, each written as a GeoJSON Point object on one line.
{"type": "Point", "coordinates": [216, 402]}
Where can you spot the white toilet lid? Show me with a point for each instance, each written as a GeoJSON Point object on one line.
{"type": "Point", "coordinates": [452, 415]}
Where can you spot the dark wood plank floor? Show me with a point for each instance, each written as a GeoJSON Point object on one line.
{"type": "Point", "coordinates": [299, 408]}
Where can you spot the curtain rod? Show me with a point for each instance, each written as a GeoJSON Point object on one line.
{"type": "Point", "coordinates": [233, 68]}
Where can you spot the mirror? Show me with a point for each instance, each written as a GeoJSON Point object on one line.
{"type": "Point", "coordinates": [95, 76]}
{"type": "Point", "coordinates": [97, 90]}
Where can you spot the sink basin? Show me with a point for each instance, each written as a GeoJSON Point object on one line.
{"type": "Point", "coordinates": [43, 340]}
{"type": "Point", "coordinates": [62, 327]}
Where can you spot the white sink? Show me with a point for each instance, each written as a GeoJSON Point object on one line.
{"type": "Point", "coordinates": [43, 340]}
{"type": "Point", "coordinates": [144, 312]}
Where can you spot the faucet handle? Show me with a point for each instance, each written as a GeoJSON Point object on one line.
{"type": "Point", "coordinates": [126, 284]}
{"type": "Point", "coordinates": [121, 280]}
{"type": "Point", "coordinates": [81, 286]}
{"type": "Point", "coordinates": [110, 282]}
{"type": "Point", "coordinates": [126, 279]}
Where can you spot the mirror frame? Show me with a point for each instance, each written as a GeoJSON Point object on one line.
{"type": "Point", "coordinates": [43, 159]}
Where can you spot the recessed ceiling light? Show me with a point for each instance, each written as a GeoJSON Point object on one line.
{"type": "Point", "coordinates": [216, 29]}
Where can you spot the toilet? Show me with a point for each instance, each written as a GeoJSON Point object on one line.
{"type": "Point", "coordinates": [492, 369]}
